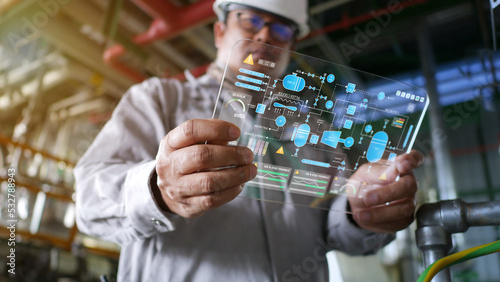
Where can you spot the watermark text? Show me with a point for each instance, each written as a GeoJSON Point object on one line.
{"type": "Point", "coordinates": [12, 221]}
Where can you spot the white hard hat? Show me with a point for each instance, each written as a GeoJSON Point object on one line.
{"type": "Point", "coordinates": [293, 10]}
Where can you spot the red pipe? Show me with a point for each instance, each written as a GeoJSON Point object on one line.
{"type": "Point", "coordinates": [157, 8]}
{"type": "Point", "coordinates": [112, 58]}
{"type": "Point", "coordinates": [156, 31]}
{"type": "Point", "coordinates": [169, 21]}
{"type": "Point", "coordinates": [177, 19]}
{"type": "Point", "coordinates": [345, 23]}
{"type": "Point", "coordinates": [196, 72]}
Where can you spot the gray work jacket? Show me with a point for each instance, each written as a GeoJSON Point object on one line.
{"type": "Point", "coordinates": [244, 240]}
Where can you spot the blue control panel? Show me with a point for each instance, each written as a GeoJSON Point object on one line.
{"type": "Point", "coordinates": [311, 123]}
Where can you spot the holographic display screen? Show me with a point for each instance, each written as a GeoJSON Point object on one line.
{"type": "Point", "coordinates": [311, 123]}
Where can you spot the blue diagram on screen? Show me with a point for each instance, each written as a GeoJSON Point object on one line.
{"type": "Point", "coordinates": [312, 124]}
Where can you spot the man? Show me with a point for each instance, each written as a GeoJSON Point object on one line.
{"type": "Point", "coordinates": [150, 182]}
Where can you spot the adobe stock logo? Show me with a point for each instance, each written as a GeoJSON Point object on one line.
{"type": "Point", "coordinates": [371, 29]}
{"type": "Point", "coordinates": [30, 25]}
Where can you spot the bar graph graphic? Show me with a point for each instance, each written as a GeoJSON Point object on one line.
{"type": "Point", "coordinates": [258, 147]}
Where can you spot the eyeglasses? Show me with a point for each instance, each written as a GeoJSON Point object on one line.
{"type": "Point", "coordinates": [254, 23]}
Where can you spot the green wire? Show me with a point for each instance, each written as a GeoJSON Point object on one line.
{"type": "Point", "coordinates": [486, 250]}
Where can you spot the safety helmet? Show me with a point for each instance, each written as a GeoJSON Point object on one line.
{"type": "Point", "coordinates": [293, 10]}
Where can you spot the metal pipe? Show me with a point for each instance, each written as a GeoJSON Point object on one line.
{"type": "Point", "coordinates": [17, 76]}
{"type": "Point", "coordinates": [434, 242]}
{"type": "Point", "coordinates": [8, 141]}
{"type": "Point", "coordinates": [21, 129]}
{"type": "Point", "coordinates": [457, 216]}
{"type": "Point", "coordinates": [437, 221]}
{"type": "Point", "coordinates": [169, 21]}
{"type": "Point", "coordinates": [63, 34]}
{"type": "Point", "coordinates": [440, 146]}
{"type": "Point", "coordinates": [484, 214]}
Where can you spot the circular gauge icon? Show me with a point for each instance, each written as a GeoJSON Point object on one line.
{"type": "Point", "coordinates": [330, 78]}
{"type": "Point", "coordinates": [368, 128]}
{"type": "Point", "coordinates": [280, 121]}
{"type": "Point", "coordinates": [349, 141]}
{"type": "Point", "coordinates": [237, 106]}
{"type": "Point", "coordinates": [329, 104]}
{"type": "Point", "coordinates": [348, 189]}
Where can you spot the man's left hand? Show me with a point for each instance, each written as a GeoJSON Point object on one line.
{"type": "Point", "coordinates": [390, 205]}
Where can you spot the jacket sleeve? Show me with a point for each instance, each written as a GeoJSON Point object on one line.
{"type": "Point", "coordinates": [345, 236]}
{"type": "Point", "coordinates": [114, 199]}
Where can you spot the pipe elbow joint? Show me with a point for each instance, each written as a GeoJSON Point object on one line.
{"type": "Point", "coordinates": [451, 215]}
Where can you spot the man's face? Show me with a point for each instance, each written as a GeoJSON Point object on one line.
{"type": "Point", "coordinates": [238, 26]}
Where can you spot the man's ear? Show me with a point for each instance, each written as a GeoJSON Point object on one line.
{"type": "Point", "coordinates": [219, 31]}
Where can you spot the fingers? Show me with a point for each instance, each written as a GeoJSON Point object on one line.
{"type": "Point", "coordinates": [214, 200]}
{"type": "Point", "coordinates": [371, 212]}
{"type": "Point", "coordinates": [384, 172]}
{"type": "Point", "coordinates": [193, 176]}
{"type": "Point", "coordinates": [391, 218]}
{"type": "Point", "coordinates": [406, 187]}
{"type": "Point", "coordinates": [200, 157]}
{"type": "Point", "coordinates": [197, 205]}
{"type": "Point", "coordinates": [380, 173]}
{"type": "Point", "coordinates": [210, 182]}
{"type": "Point", "coordinates": [194, 194]}
{"type": "Point", "coordinates": [407, 162]}
{"type": "Point", "coordinates": [199, 130]}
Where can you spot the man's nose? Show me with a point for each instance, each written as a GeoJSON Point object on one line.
{"type": "Point", "coordinates": [263, 35]}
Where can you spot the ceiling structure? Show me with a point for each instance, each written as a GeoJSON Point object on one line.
{"type": "Point", "coordinates": [52, 50]}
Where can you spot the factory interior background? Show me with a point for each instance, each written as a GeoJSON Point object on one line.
{"type": "Point", "coordinates": [64, 64]}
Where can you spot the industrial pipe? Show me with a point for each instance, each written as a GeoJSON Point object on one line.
{"type": "Point", "coordinates": [169, 21]}
{"type": "Point", "coordinates": [437, 221]}
{"type": "Point", "coordinates": [177, 19]}
{"type": "Point", "coordinates": [196, 72]}
{"type": "Point", "coordinates": [440, 146]}
{"type": "Point", "coordinates": [112, 57]}
{"type": "Point", "coordinates": [8, 141]}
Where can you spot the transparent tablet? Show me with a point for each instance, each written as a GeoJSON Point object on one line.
{"type": "Point", "coordinates": [313, 124]}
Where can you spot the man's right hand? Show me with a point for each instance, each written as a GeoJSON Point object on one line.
{"type": "Point", "coordinates": [189, 175]}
